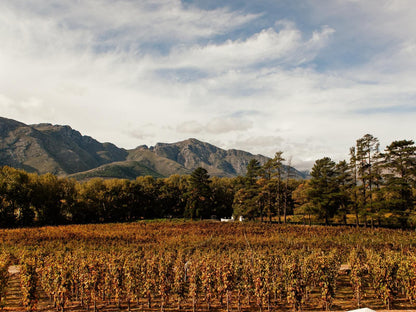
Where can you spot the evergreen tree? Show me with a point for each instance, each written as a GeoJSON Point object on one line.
{"type": "Point", "coordinates": [324, 189]}
{"type": "Point", "coordinates": [367, 158]}
{"type": "Point", "coordinates": [199, 195]}
{"type": "Point", "coordinates": [302, 201]}
{"type": "Point", "coordinates": [253, 171]}
{"type": "Point", "coordinates": [346, 183]}
{"type": "Point", "coordinates": [248, 200]}
{"type": "Point", "coordinates": [222, 196]}
{"type": "Point", "coordinates": [355, 188]}
{"type": "Point", "coordinates": [272, 186]}
{"type": "Point", "coordinates": [399, 163]}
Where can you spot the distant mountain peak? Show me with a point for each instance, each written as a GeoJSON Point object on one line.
{"type": "Point", "coordinates": [7, 125]}
{"type": "Point", "coordinates": [61, 150]}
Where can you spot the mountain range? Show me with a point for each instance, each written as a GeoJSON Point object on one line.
{"type": "Point", "coordinates": [63, 151]}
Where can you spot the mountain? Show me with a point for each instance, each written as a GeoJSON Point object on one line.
{"type": "Point", "coordinates": [63, 151]}
{"type": "Point", "coordinates": [192, 154]}
{"type": "Point", "coordinates": [57, 149]}
{"type": "Point", "coordinates": [163, 165]}
{"type": "Point", "coordinates": [117, 170]}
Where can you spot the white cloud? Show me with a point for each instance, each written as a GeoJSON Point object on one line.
{"type": "Point", "coordinates": [141, 72]}
{"type": "Point", "coordinates": [215, 126]}
{"type": "Point", "coordinates": [258, 141]}
{"type": "Point", "coordinates": [225, 125]}
{"type": "Point", "coordinates": [127, 24]}
{"type": "Point", "coordinates": [283, 47]}
{"type": "Point", "coordinates": [190, 127]}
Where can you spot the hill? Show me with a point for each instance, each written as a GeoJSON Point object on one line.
{"type": "Point", "coordinates": [63, 151]}
{"type": "Point", "coordinates": [57, 149]}
{"type": "Point", "coordinates": [192, 154]}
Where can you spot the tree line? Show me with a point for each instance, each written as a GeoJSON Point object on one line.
{"type": "Point", "coordinates": [28, 199]}
{"type": "Point", "coordinates": [371, 188]}
{"type": "Point", "coordinates": [375, 187]}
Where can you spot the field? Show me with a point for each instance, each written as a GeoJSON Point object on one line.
{"type": "Point", "coordinates": [206, 265]}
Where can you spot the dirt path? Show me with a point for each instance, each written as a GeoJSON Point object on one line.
{"type": "Point", "coordinates": [13, 295]}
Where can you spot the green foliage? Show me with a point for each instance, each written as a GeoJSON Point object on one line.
{"type": "Point", "coordinates": [118, 170]}
{"type": "Point", "coordinates": [199, 199]}
{"type": "Point", "coordinates": [367, 160]}
{"type": "Point", "coordinates": [324, 189]}
{"type": "Point", "coordinates": [264, 193]}
{"type": "Point", "coordinates": [377, 188]}
{"type": "Point", "coordinates": [399, 163]}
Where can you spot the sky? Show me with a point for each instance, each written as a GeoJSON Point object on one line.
{"type": "Point", "coordinates": [306, 77]}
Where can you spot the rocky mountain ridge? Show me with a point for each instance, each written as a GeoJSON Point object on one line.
{"type": "Point", "coordinates": [63, 151]}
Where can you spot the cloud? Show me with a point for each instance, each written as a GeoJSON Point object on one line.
{"type": "Point", "coordinates": [140, 72]}
{"type": "Point", "coordinates": [215, 126]}
{"type": "Point", "coordinates": [27, 108]}
{"type": "Point", "coordinates": [224, 125]}
{"type": "Point", "coordinates": [190, 127]}
{"type": "Point", "coordinates": [127, 25]}
{"type": "Point", "coordinates": [286, 46]}
{"type": "Point", "coordinates": [144, 132]}
{"type": "Point", "coordinates": [251, 143]}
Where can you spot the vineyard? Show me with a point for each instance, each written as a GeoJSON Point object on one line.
{"type": "Point", "coordinates": [206, 266]}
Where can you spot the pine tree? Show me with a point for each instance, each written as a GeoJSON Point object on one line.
{"type": "Point", "coordinates": [345, 182]}
{"type": "Point", "coordinates": [368, 171]}
{"type": "Point", "coordinates": [324, 192]}
{"type": "Point", "coordinates": [399, 163]}
{"type": "Point", "coordinates": [199, 199]}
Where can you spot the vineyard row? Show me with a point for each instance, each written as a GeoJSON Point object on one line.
{"type": "Point", "coordinates": [230, 280]}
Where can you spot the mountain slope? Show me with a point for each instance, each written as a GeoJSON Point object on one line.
{"type": "Point", "coordinates": [61, 150]}
{"type": "Point", "coordinates": [75, 152]}
{"type": "Point", "coordinates": [57, 149]}
{"type": "Point", "coordinates": [164, 166]}
{"type": "Point", "coordinates": [22, 146]}
{"type": "Point", "coordinates": [193, 153]}
{"type": "Point", "coordinates": [117, 170]}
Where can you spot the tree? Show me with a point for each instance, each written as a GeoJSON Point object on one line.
{"type": "Point", "coordinates": [399, 162]}
{"type": "Point", "coordinates": [354, 194]}
{"type": "Point", "coordinates": [287, 190]}
{"type": "Point", "coordinates": [92, 202]}
{"type": "Point", "coordinates": [7, 206]}
{"type": "Point", "coordinates": [199, 194]}
{"type": "Point", "coordinates": [172, 196]}
{"type": "Point", "coordinates": [246, 204]}
{"type": "Point", "coordinates": [248, 199]}
{"type": "Point", "coordinates": [51, 197]}
{"type": "Point", "coordinates": [150, 188]}
{"type": "Point", "coordinates": [253, 171]}
{"type": "Point", "coordinates": [222, 196]}
{"type": "Point", "coordinates": [15, 198]}
{"type": "Point", "coordinates": [302, 203]}
{"type": "Point", "coordinates": [346, 184]}
{"type": "Point", "coordinates": [368, 170]}
{"type": "Point", "coordinates": [272, 186]}
{"type": "Point", "coordinates": [324, 192]}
